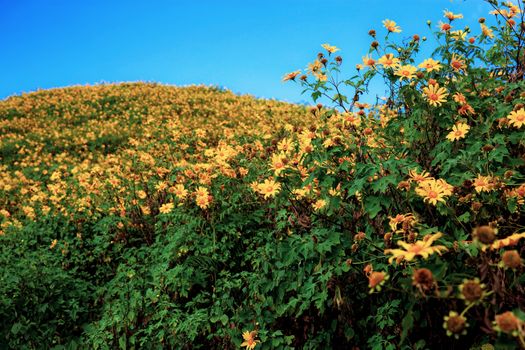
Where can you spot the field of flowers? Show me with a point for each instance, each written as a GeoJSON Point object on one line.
{"type": "Point", "coordinates": [143, 216]}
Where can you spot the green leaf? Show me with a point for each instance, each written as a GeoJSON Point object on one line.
{"type": "Point", "coordinates": [372, 206]}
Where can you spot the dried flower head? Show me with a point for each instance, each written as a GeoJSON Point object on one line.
{"type": "Point", "coordinates": [485, 234]}
{"type": "Point", "coordinates": [423, 279]}
{"type": "Point", "coordinates": [376, 280]}
{"type": "Point", "coordinates": [507, 322]}
{"type": "Point", "coordinates": [455, 324]}
{"type": "Point", "coordinates": [511, 259]}
{"type": "Point", "coordinates": [471, 291]}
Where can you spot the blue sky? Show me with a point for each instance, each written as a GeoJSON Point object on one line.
{"type": "Point", "coordinates": [245, 46]}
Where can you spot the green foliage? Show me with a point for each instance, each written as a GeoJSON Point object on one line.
{"type": "Point", "coordinates": [395, 226]}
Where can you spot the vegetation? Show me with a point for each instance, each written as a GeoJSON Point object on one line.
{"type": "Point", "coordinates": [145, 216]}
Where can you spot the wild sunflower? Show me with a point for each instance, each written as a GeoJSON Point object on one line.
{"type": "Point", "coordinates": [433, 191]}
{"type": "Point", "coordinates": [517, 118]}
{"type": "Point", "coordinates": [417, 177]}
{"type": "Point", "coordinates": [331, 49]}
{"type": "Point", "coordinates": [389, 61]}
{"type": "Point", "coordinates": [486, 31]}
{"type": "Point", "coordinates": [405, 220]}
{"type": "Point", "coordinates": [444, 27]}
{"type": "Point", "coordinates": [406, 72]}
{"type": "Point", "coordinates": [180, 191]}
{"type": "Point", "coordinates": [369, 61]}
{"type": "Point", "coordinates": [166, 208]}
{"type": "Point", "coordinates": [249, 340]}
{"type": "Point", "coordinates": [278, 163]}
{"type": "Point", "coordinates": [430, 65]}
{"type": "Point", "coordinates": [434, 94]}
{"type": "Point", "coordinates": [291, 76]}
{"type": "Point", "coordinates": [483, 183]}
{"type": "Point", "coordinates": [457, 63]}
{"type": "Point", "coordinates": [391, 26]}
{"type": "Point", "coordinates": [507, 241]}
{"type": "Point", "coordinates": [269, 188]}
{"type": "Point", "coordinates": [458, 131]}
{"type": "Point", "coordinates": [319, 204]}
{"type": "Point", "coordinates": [421, 248]}
{"type": "Point", "coordinates": [452, 16]}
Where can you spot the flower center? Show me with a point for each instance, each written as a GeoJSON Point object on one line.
{"type": "Point", "coordinates": [432, 194]}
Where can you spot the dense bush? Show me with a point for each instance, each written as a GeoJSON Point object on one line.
{"type": "Point", "coordinates": [393, 226]}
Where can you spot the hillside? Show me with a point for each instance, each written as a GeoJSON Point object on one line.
{"type": "Point", "coordinates": [50, 140]}
{"type": "Point", "coordinates": [142, 216]}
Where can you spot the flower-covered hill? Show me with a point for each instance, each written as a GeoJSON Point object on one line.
{"type": "Point", "coordinates": [59, 147]}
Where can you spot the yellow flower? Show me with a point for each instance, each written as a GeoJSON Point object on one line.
{"type": "Point", "coordinates": [329, 48]}
{"type": "Point", "coordinates": [434, 94]}
{"type": "Point", "coordinates": [291, 76]}
{"type": "Point", "coordinates": [369, 61]}
{"type": "Point", "coordinates": [405, 220]}
{"type": "Point", "coordinates": [141, 194]}
{"type": "Point", "coordinates": [180, 191]}
{"type": "Point", "coordinates": [314, 67]}
{"type": "Point", "coordinates": [249, 340]}
{"type": "Point", "coordinates": [508, 241]}
{"type": "Point", "coordinates": [517, 118]}
{"type": "Point", "coordinates": [269, 188]}
{"type": "Point", "coordinates": [486, 31]}
{"type": "Point", "coordinates": [457, 63]}
{"type": "Point", "coordinates": [166, 208]}
{"type": "Point", "coordinates": [203, 202]}
{"type": "Point", "coordinates": [391, 26]}
{"type": "Point", "coordinates": [415, 176]}
{"type": "Point", "coordinates": [458, 131]}
{"type": "Point", "coordinates": [434, 191]}
{"type": "Point", "coordinates": [421, 248]}
{"type": "Point", "coordinates": [451, 16]}
{"type": "Point", "coordinates": [319, 204]}
{"type": "Point", "coordinates": [406, 72]}
{"type": "Point", "coordinates": [483, 184]}
{"type": "Point", "coordinates": [285, 145]}
{"type": "Point", "coordinates": [460, 98]}
{"type": "Point", "coordinates": [389, 61]}
{"type": "Point", "coordinates": [201, 191]}
{"type": "Point", "coordinates": [278, 163]}
{"type": "Point", "coordinates": [430, 65]}
{"type": "Point", "coordinates": [460, 35]}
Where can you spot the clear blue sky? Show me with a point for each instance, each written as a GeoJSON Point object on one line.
{"type": "Point", "coordinates": [243, 45]}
